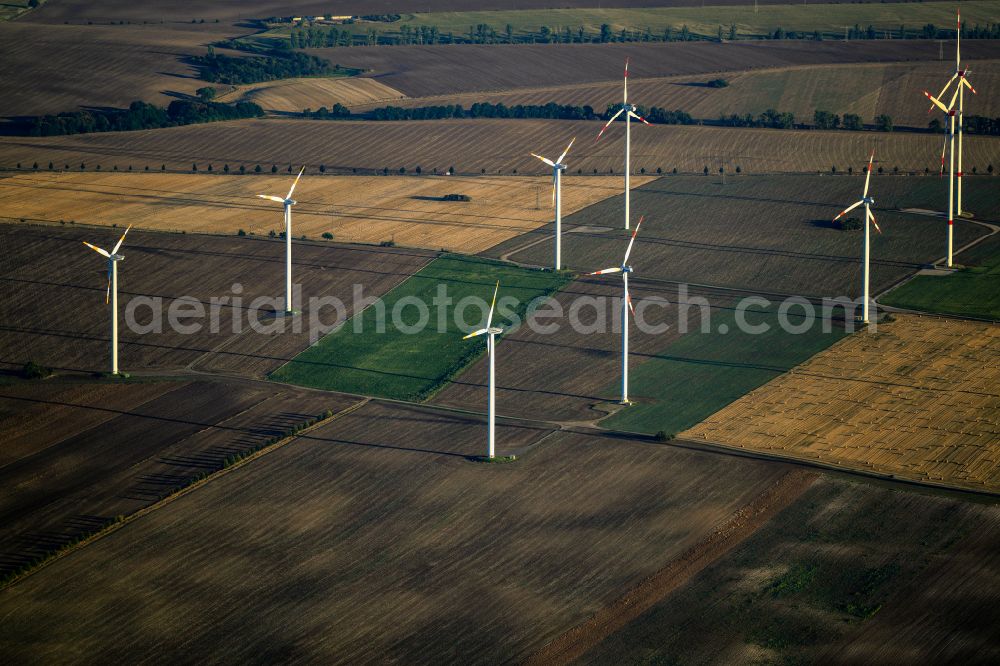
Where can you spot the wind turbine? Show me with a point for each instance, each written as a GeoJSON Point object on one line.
{"type": "Point", "coordinates": [624, 269]}
{"type": "Point", "coordinates": [490, 332]}
{"type": "Point", "coordinates": [111, 296]}
{"type": "Point", "coordinates": [960, 75]}
{"type": "Point", "coordinates": [288, 202]}
{"type": "Point", "coordinates": [629, 111]}
{"type": "Point", "coordinates": [557, 168]}
{"type": "Point", "coordinates": [950, 110]}
{"type": "Point", "coordinates": [868, 203]}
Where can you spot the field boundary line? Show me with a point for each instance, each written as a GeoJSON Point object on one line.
{"type": "Point", "coordinates": [125, 520]}
{"type": "Point", "coordinates": [842, 468]}
{"type": "Point", "coordinates": [575, 643]}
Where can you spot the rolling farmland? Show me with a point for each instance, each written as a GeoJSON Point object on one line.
{"type": "Point", "coordinates": [50, 265]}
{"type": "Point", "coordinates": [420, 71]}
{"type": "Point", "coordinates": [754, 21]}
{"type": "Point", "coordinates": [916, 400]}
{"type": "Point", "coordinates": [471, 145]}
{"type": "Point", "coordinates": [76, 455]}
{"type": "Point", "coordinates": [867, 90]}
{"type": "Point", "coordinates": [848, 573]}
{"type": "Point", "coordinates": [767, 234]}
{"type": "Point", "coordinates": [294, 95]}
{"type": "Point", "coordinates": [408, 211]}
{"type": "Point", "coordinates": [373, 543]}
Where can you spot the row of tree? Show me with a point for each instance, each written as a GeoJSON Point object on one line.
{"type": "Point", "coordinates": [138, 116]}
{"type": "Point", "coordinates": [323, 36]}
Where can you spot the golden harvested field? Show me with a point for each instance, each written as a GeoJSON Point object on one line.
{"type": "Point", "coordinates": [917, 400]}
{"type": "Point", "coordinates": [472, 145]}
{"type": "Point", "coordinates": [865, 89]}
{"type": "Point", "coordinates": [367, 209]}
{"type": "Point", "coordinates": [294, 95]}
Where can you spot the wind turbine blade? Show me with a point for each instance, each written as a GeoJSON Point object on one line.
{"type": "Point", "coordinates": [944, 148]}
{"type": "Point", "coordinates": [489, 320]}
{"type": "Point", "coordinates": [103, 253]}
{"type": "Point", "coordinates": [563, 156]}
{"type": "Point", "coordinates": [475, 333]}
{"type": "Point", "coordinates": [639, 118]}
{"type": "Point", "coordinates": [608, 124]}
{"type": "Point", "coordinates": [954, 96]}
{"type": "Point", "coordinates": [628, 299]}
{"type": "Point", "coordinates": [848, 210]}
{"type": "Point", "coordinates": [625, 97]}
{"type": "Point", "coordinates": [943, 90]}
{"type": "Point", "coordinates": [553, 190]}
{"type": "Point", "coordinates": [936, 102]}
{"type": "Point", "coordinates": [868, 174]}
{"type": "Point", "coordinates": [271, 198]}
{"type": "Point", "coordinates": [958, 39]}
{"type": "Point", "coordinates": [968, 85]}
{"type": "Point", "coordinates": [871, 216]}
{"type": "Point", "coordinates": [544, 159]}
{"type": "Point", "coordinates": [107, 294]}
{"type": "Point", "coordinates": [292, 189]}
{"type": "Point", "coordinates": [119, 243]}
{"type": "Point", "coordinates": [634, 233]}
{"type": "Point", "coordinates": [616, 269]}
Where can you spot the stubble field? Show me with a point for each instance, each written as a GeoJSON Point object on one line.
{"type": "Point", "coordinates": [472, 145]}
{"type": "Point", "coordinates": [766, 234]}
{"type": "Point", "coordinates": [78, 454]}
{"type": "Point", "coordinates": [916, 400]}
{"type": "Point", "coordinates": [849, 573]}
{"type": "Point", "coordinates": [409, 211]}
{"type": "Point", "coordinates": [369, 544]}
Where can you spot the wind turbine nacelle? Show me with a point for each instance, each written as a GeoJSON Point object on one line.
{"type": "Point", "coordinates": [626, 269]}
{"type": "Point", "coordinates": [494, 330]}
{"type": "Point", "coordinates": [869, 200]}
{"type": "Point", "coordinates": [118, 257]}
{"type": "Point", "coordinates": [290, 202]}
{"type": "Point", "coordinates": [561, 167]}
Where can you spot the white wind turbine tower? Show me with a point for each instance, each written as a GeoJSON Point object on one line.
{"type": "Point", "coordinates": [624, 269]}
{"type": "Point", "coordinates": [869, 217]}
{"type": "Point", "coordinates": [490, 332]}
{"type": "Point", "coordinates": [111, 296]}
{"type": "Point", "coordinates": [950, 110]}
{"type": "Point", "coordinates": [287, 202]}
{"type": "Point", "coordinates": [629, 111]}
{"type": "Point", "coordinates": [557, 168]}
{"type": "Point", "coordinates": [960, 75]}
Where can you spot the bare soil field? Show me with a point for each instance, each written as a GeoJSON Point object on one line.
{"type": "Point", "coordinates": [56, 68]}
{"type": "Point", "coordinates": [916, 400]}
{"type": "Point", "coordinates": [49, 265]}
{"type": "Point", "coordinates": [295, 95]}
{"type": "Point", "coordinates": [472, 145]}
{"type": "Point", "coordinates": [849, 573]}
{"type": "Point", "coordinates": [765, 233]}
{"type": "Point", "coordinates": [419, 71]}
{"type": "Point", "coordinates": [409, 211]}
{"type": "Point", "coordinates": [362, 541]}
{"type": "Point", "coordinates": [867, 90]}
{"type": "Point", "coordinates": [78, 454]}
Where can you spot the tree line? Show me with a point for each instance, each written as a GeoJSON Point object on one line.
{"type": "Point", "coordinates": [138, 116]}
{"type": "Point", "coordinates": [324, 36]}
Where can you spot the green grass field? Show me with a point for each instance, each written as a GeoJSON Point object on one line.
{"type": "Point", "coordinates": [973, 291]}
{"type": "Point", "coordinates": [395, 364]}
{"type": "Point", "coordinates": [829, 19]}
{"type": "Point", "coordinates": [701, 373]}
